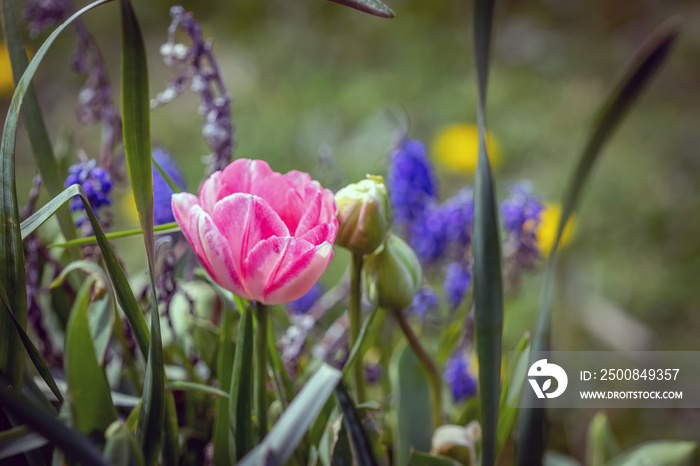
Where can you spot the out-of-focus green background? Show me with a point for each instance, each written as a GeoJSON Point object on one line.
{"type": "Point", "coordinates": [308, 76]}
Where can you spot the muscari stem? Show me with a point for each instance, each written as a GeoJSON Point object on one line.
{"type": "Point", "coordinates": [261, 368]}
{"type": "Point", "coordinates": [355, 323]}
{"type": "Point", "coordinates": [426, 361]}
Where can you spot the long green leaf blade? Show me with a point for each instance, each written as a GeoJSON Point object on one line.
{"type": "Point", "coordinates": [644, 64]}
{"type": "Point", "coordinates": [373, 7]}
{"type": "Point", "coordinates": [279, 444]}
{"type": "Point", "coordinates": [92, 406]}
{"type": "Point", "coordinates": [224, 367]}
{"type": "Point", "coordinates": [34, 121]}
{"type": "Point", "coordinates": [137, 146]}
{"type": "Point", "coordinates": [362, 449]}
{"type": "Point", "coordinates": [488, 283]}
{"type": "Point", "coordinates": [77, 447]}
{"type": "Point", "coordinates": [11, 251]}
{"type": "Point", "coordinates": [33, 352]}
{"type": "Point", "coordinates": [241, 399]}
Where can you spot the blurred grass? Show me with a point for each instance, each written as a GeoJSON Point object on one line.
{"type": "Point", "coordinates": [308, 73]}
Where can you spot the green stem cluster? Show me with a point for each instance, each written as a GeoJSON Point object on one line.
{"type": "Point", "coordinates": [356, 323]}
{"type": "Point", "coordinates": [261, 312]}
{"type": "Point", "coordinates": [426, 361]}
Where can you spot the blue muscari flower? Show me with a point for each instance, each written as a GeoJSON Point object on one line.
{"type": "Point", "coordinates": [411, 181]}
{"type": "Point", "coordinates": [458, 279]}
{"type": "Point", "coordinates": [162, 210]}
{"type": "Point", "coordinates": [522, 207]}
{"type": "Point", "coordinates": [425, 301]}
{"type": "Point", "coordinates": [96, 183]}
{"type": "Point", "coordinates": [521, 216]}
{"type": "Point", "coordinates": [460, 380]}
{"type": "Point", "coordinates": [444, 228]}
{"type": "Point", "coordinates": [303, 304]}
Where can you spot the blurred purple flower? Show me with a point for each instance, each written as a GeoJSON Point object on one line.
{"type": "Point", "coordinates": [373, 373]}
{"type": "Point", "coordinates": [42, 14]}
{"type": "Point", "coordinates": [521, 217]}
{"type": "Point", "coordinates": [96, 183]}
{"type": "Point", "coordinates": [425, 301]}
{"type": "Point", "coordinates": [411, 181]}
{"type": "Point", "coordinates": [462, 384]}
{"type": "Point", "coordinates": [458, 279]}
{"type": "Point", "coordinates": [162, 210]}
{"type": "Point", "coordinates": [200, 71]}
{"type": "Point", "coordinates": [303, 304]}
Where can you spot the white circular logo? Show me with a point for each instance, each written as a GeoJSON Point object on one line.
{"type": "Point", "coordinates": [541, 369]}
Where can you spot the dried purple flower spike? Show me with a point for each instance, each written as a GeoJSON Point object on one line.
{"type": "Point", "coordinates": [42, 14]}
{"type": "Point", "coordinates": [200, 70]}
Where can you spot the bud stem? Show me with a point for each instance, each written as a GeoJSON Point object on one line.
{"type": "Point", "coordinates": [356, 322]}
{"type": "Point", "coordinates": [426, 361]}
{"type": "Point", "coordinates": [261, 368]}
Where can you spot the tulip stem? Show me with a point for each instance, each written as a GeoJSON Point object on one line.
{"type": "Point", "coordinates": [261, 368]}
{"type": "Point", "coordinates": [356, 322]}
{"type": "Point", "coordinates": [426, 361]}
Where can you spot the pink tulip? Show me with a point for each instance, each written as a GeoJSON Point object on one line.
{"type": "Point", "coordinates": [260, 234]}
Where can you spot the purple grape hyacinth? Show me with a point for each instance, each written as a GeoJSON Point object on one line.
{"type": "Point", "coordinates": [162, 209]}
{"type": "Point", "coordinates": [96, 183]}
{"type": "Point", "coordinates": [461, 382]}
{"type": "Point", "coordinates": [458, 279]}
{"type": "Point", "coordinates": [411, 181]}
{"type": "Point", "coordinates": [522, 214]}
{"type": "Point", "coordinates": [303, 304]}
{"type": "Point", "coordinates": [425, 301]}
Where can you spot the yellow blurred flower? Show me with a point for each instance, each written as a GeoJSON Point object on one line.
{"type": "Point", "coordinates": [457, 146]}
{"type": "Point", "coordinates": [547, 231]}
{"type": "Point", "coordinates": [7, 83]}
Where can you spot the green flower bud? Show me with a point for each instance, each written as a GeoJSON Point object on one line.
{"type": "Point", "coordinates": [393, 274]}
{"type": "Point", "coordinates": [364, 215]}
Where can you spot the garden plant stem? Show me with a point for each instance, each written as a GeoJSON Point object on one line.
{"type": "Point", "coordinates": [428, 364]}
{"type": "Point", "coordinates": [356, 322]}
{"type": "Point", "coordinates": [261, 368]}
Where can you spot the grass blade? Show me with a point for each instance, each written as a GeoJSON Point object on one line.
{"type": "Point", "coordinates": [361, 447]}
{"type": "Point", "coordinates": [362, 335]}
{"type": "Point", "coordinates": [278, 369]}
{"type": "Point", "coordinates": [92, 406]}
{"type": "Point", "coordinates": [241, 399]}
{"type": "Point", "coordinates": [285, 435]}
{"type": "Point", "coordinates": [373, 7]}
{"type": "Point", "coordinates": [11, 250]}
{"type": "Point", "coordinates": [643, 66]}
{"type": "Point", "coordinates": [77, 447]}
{"type": "Point", "coordinates": [221, 437]}
{"type": "Point", "coordinates": [38, 135]}
{"type": "Point", "coordinates": [137, 147]}
{"type": "Point", "coordinates": [514, 381]}
{"type": "Point", "coordinates": [488, 283]}
{"type": "Point", "coordinates": [157, 230]}
{"type": "Point", "coordinates": [19, 440]}
{"type": "Point", "coordinates": [33, 352]}
{"type": "Point", "coordinates": [196, 387]}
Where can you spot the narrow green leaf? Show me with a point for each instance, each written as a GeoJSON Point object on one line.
{"type": "Point", "coordinates": [92, 406]}
{"type": "Point", "coordinates": [279, 444]}
{"type": "Point", "coordinates": [175, 188]}
{"type": "Point", "coordinates": [320, 424]}
{"type": "Point", "coordinates": [196, 387]}
{"type": "Point", "coordinates": [121, 448]}
{"type": "Point", "coordinates": [361, 447]}
{"type": "Point", "coordinates": [364, 330]}
{"type": "Point", "coordinates": [413, 428]}
{"type": "Point", "coordinates": [424, 459]}
{"type": "Point", "coordinates": [34, 122]}
{"type": "Point", "coordinates": [488, 283]}
{"type": "Point", "coordinates": [644, 64]}
{"type": "Point", "coordinates": [373, 7]}
{"type": "Point", "coordinates": [158, 230]}
{"type": "Point", "coordinates": [514, 380]}
{"type": "Point", "coordinates": [33, 352]}
{"type": "Point", "coordinates": [659, 453]}
{"type": "Point", "coordinates": [600, 444]}
{"type": "Point", "coordinates": [137, 147]}
{"type": "Point", "coordinates": [241, 399]}
{"type": "Point", "coordinates": [11, 250]}
{"type": "Point", "coordinates": [77, 447]}
{"type": "Point", "coordinates": [278, 368]}
{"type": "Point", "coordinates": [224, 367]}
{"type": "Point", "coordinates": [19, 440]}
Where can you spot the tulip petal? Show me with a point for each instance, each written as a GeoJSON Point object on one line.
{"type": "Point", "coordinates": [242, 176]}
{"type": "Point", "coordinates": [297, 274]}
{"type": "Point", "coordinates": [319, 234]}
{"type": "Point", "coordinates": [245, 220]}
{"type": "Point", "coordinates": [222, 267]}
{"type": "Point", "coordinates": [283, 199]}
{"type": "Point", "coordinates": [311, 216]}
{"type": "Point", "coordinates": [209, 192]}
{"type": "Point", "coordinates": [183, 205]}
